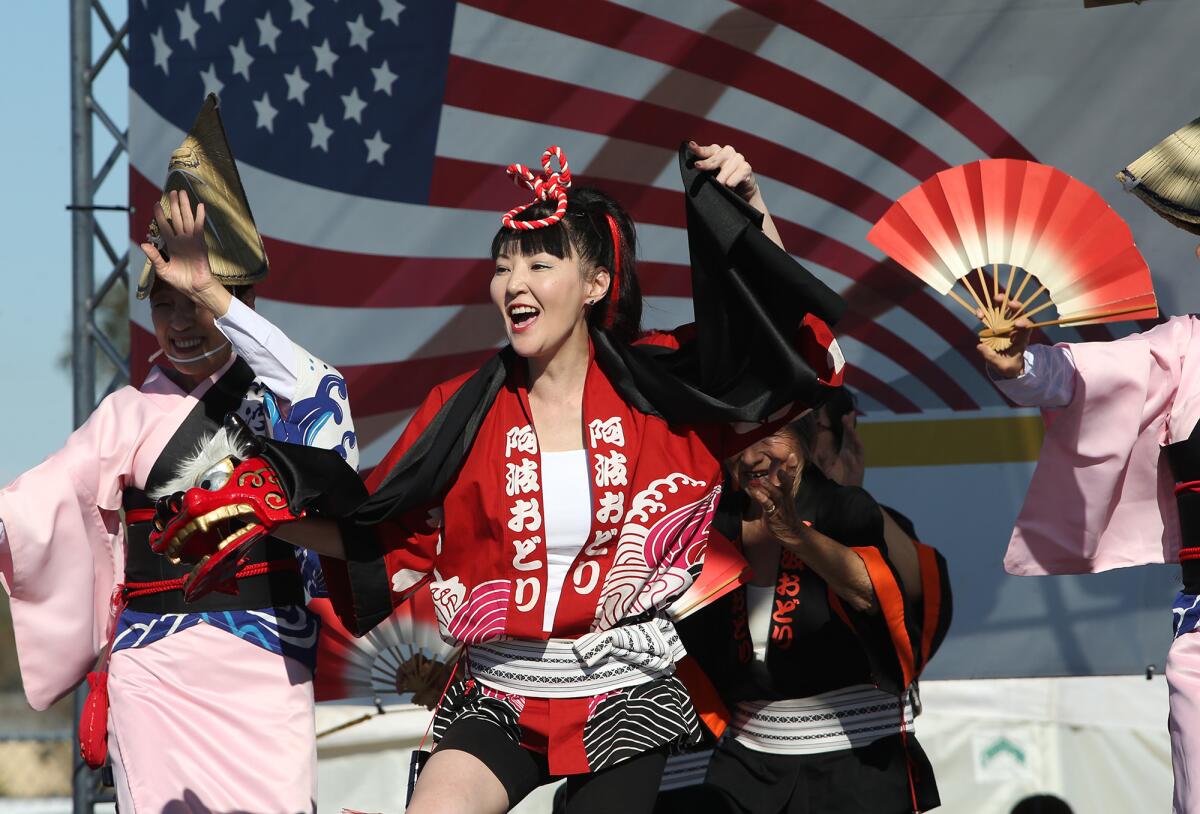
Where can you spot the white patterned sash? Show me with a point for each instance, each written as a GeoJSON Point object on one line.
{"type": "Point", "coordinates": [599, 662]}
{"type": "Point", "coordinates": [839, 719]}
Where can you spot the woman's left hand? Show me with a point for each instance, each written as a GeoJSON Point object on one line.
{"type": "Point", "coordinates": [734, 171]}
{"type": "Point", "coordinates": [731, 167]}
{"type": "Point", "coordinates": [774, 497]}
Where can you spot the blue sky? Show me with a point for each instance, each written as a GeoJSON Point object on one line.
{"type": "Point", "coordinates": [35, 250]}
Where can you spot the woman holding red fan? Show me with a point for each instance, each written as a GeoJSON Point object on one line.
{"type": "Point", "coordinates": [1104, 494]}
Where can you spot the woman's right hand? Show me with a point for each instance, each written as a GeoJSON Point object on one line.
{"type": "Point", "coordinates": [187, 269]}
{"type": "Point", "coordinates": [1010, 362]}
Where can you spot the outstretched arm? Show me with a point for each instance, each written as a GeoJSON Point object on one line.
{"type": "Point", "coordinates": [1030, 375]}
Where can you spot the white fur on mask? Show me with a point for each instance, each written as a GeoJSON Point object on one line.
{"type": "Point", "coordinates": [209, 452]}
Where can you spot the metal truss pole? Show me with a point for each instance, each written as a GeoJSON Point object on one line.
{"type": "Point", "coordinates": [89, 18]}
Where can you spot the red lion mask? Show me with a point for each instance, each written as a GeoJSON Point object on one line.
{"type": "Point", "coordinates": [213, 526]}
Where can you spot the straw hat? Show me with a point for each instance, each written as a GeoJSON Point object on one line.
{"type": "Point", "coordinates": [203, 165]}
{"type": "Point", "coordinates": [1167, 177]}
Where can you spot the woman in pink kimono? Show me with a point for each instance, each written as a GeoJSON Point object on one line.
{"type": "Point", "coordinates": [210, 702]}
{"type": "Point", "coordinates": [1118, 480]}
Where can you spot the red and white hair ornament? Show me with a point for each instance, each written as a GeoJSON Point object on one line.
{"type": "Point", "coordinates": [553, 185]}
{"type": "Point", "coordinates": [550, 186]}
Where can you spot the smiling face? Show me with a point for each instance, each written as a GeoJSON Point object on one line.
{"type": "Point", "coordinates": [187, 335]}
{"type": "Point", "coordinates": [543, 299]}
{"type": "Point", "coordinates": [763, 460]}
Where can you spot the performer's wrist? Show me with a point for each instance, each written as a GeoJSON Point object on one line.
{"type": "Point", "coordinates": [1008, 372]}
{"type": "Point", "coordinates": [216, 298]}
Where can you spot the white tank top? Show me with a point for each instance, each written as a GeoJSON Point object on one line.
{"type": "Point", "coordinates": [760, 602]}
{"type": "Point", "coordinates": [567, 514]}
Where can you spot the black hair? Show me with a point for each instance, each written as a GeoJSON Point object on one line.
{"type": "Point", "coordinates": [584, 231]}
{"type": "Point", "coordinates": [840, 403]}
{"type": "Point", "coordinates": [241, 292]}
{"type": "Point", "coordinates": [1042, 804]}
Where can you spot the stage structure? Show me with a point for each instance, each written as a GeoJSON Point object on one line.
{"type": "Point", "coordinates": [95, 279]}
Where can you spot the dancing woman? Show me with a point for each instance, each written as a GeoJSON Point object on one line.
{"type": "Point", "coordinates": [817, 656]}
{"type": "Point", "coordinates": [234, 669]}
{"type": "Point", "coordinates": [1118, 476]}
{"type": "Point", "coordinates": [557, 501]}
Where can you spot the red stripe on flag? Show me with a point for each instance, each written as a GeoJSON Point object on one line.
{"type": "Point", "coordinates": [615, 26]}
{"type": "Point", "coordinates": [864, 47]}
{"type": "Point", "coordinates": [309, 275]}
{"type": "Point", "coordinates": [303, 274]}
{"type": "Point", "coordinates": [488, 89]}
{"type": "Point", "coordinates": [921, 367]}
{"type": "Point", "coordinates": [889, 397]}
{"type": "Point", "coordinates": [476, 185]}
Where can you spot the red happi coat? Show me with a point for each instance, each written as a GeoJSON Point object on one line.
{"type": "Point", "coordinates": [482, 553]}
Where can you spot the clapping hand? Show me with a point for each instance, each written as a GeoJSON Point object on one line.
{"type": "Point", "coordinates": [774, 495]}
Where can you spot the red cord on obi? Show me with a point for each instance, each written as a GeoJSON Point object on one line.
{"type": "Point", "coordinates": [1187, 486]}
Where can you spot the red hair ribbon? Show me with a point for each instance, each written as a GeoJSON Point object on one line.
{"type": "Point", "coordinates": [614, 285]}
{"type": "Point", "coordinates": [552, 185]}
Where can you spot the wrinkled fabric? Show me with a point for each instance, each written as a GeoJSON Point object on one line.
{"type": "Point", "coordinates": [64, 533]}
{"type": "Point", "coordinates": [1102, 495]}
{"type": "Point", "coordinates": [173, 729]}
{"type": "Point", "coordinates": [652, 645]}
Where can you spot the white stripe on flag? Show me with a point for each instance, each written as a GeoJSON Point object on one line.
{"type": "Point", "coordinates": [493, 39]}
{"type": "Point", "coordinates": [371, 336]}
{"type": "Point", "coordinates": [804, 57]}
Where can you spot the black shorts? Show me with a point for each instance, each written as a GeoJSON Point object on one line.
{"type": "Point", "coordinates": [628, 787]}
{"type": "Point", "coordinates": [871, 779]}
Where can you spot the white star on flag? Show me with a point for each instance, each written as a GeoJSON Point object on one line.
{"type": "Point", "coordinates": [320, 133]}
{"type": "Point", "coordinates": [300, 11]}
{"type": "Point", "coordinates": [213, 7]}
{"type": "Point", "coordinates": [390, 10]}
{"type": "Point", "coordinates": [384, 78]}
{"type": "Point", "coordinates": [211, 83]}
{"type": "Point", "coordinates": [376, 147]}
{"type": "Point", "coordinates": [354, 105]}
{"type": "Point", "coordinates": [359, 33]}
{"type": "Point", "coordinates": [162, 51]}
{"type": "Point", "coordinates": [266, 113]}
{"type": "Point", "coordinates": [267, 32]}
{"type": "Point", "coordinates": [187, 25]}
{"type": "Point", "coordinates": [241, 59]}
{"type": "Point", "coordinates": [297, 85]}
{"type": "Point", "coordinates": [325, 57]}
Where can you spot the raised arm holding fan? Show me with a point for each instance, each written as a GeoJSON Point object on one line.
{"type": "Point", "coordinates": [1117, 481]}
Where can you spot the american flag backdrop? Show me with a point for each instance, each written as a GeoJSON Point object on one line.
{"type": "Point", "coordinates": [372, 134]}
{"type": "Point", "coordinates": [371, 137]}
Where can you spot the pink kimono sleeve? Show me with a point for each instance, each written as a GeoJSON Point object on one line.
{"type": "Point", "coordinates": [1102, 494]}
{"type": "Point", "coordinates": [64, 554]}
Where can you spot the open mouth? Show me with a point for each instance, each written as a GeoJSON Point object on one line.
{"type": "Point", "coordinates": [522, 317]}
{"type": "Point", "coordinates": [225, 523]}
{"type": "Point", "coordinates": [185, 345]}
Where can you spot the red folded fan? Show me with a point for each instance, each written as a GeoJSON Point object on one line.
{"type": "Point", "coordinates": [1037, 221]}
